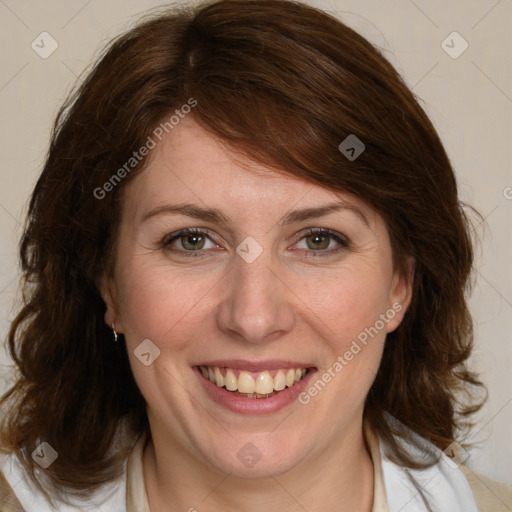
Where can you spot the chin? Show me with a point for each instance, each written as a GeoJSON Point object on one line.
{"type": "Point", "coordinates": [255, 456]}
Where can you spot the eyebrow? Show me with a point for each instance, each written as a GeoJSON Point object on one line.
{"type": "Point", "coordinates": [320, 211]}
{"type": "Point", "coordinates": [214, 215]}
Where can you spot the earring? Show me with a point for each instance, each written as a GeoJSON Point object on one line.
{"type": "Point", "coordinates": [117, 345]}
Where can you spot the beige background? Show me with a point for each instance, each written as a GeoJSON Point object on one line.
{"type": "Point", "coordinates": [469, 99]}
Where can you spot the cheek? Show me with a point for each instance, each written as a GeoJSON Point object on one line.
{"type": "Point", "coordinates": [348, 302]}
{"type": "Point", "coordinates": [161, 303]}
{"type": "Point", "coordinates": [345, 312]}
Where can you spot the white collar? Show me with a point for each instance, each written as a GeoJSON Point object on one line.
{"type": "Point", "coordinates": [440, 487]}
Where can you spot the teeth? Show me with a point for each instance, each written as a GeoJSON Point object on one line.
{"type": "Point", "coordinates": [280, 380]}
{"type": "Point", "coordinates": [264, 383]}
{"type": "Point", "coordinates": [230, 380]}
{"type": "Point", "coordinates": [253, 387]}
{"type": "Point", "coordinates": [246, 383]}
{"type": "Point", "coordinates": [219, 379]}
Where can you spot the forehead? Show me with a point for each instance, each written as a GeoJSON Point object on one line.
{"type": "Point", "coordinates": [192, 165]}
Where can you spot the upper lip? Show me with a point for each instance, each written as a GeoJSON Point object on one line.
{"type": "Point", "coordinates": [252, 365]}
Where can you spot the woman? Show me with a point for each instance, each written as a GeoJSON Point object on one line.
{"type": "Point", "coordinates": [246, 266]}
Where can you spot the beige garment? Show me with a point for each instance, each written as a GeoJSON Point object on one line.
{"type": "Point", "coordinates": [137, 499]}
{"type": "Point", "coordinates": [490, 496]}
{"type": "Point", "coordinates": [8, 500]}
{"type": "Point", "coordinates": [380, 503]}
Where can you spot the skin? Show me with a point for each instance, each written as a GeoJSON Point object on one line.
{"type": "Point", "coordinates": [290, 303]}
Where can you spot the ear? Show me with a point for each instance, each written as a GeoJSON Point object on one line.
{"type": "Point", "coordinates": [401, 293]}
{"type": "Point", "coordinates": [108, 293]}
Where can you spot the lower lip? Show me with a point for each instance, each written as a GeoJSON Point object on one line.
{"type": "Point", "coordinates": [254, 405]}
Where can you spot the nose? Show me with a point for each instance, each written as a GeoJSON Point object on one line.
{"type": "Point", "coordinates": [257, 305]}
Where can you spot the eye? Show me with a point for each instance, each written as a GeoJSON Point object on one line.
{"type": "Point", "coordinates": [189, 240]}
{"type": "Point", "coordinates": [322, 241]}
{"type": "Point", "coordinates": [196, 242]}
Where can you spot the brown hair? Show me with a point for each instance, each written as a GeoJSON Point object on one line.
{"type": "Point", "coordinates": [284, 84]}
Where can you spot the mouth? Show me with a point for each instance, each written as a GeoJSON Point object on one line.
{"type": "Point", "coordinates": [254, 387]}
{"type": "Point", "coordinates": [250, 384]}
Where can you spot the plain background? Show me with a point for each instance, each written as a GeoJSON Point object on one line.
{"type": "Point", "coordinates": [469, 99]}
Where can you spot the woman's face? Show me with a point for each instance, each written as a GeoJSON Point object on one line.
{"type": "Point", "coordinates": [256, 292]}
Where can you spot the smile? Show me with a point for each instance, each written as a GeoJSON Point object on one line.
{"type": "Point", "coordinates": [249, 384]}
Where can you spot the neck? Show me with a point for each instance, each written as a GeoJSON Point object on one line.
{"type": "Point", "coordinates": [341, 479]}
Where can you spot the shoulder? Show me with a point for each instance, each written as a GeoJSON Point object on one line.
{"type": "Point", "coordinates": [490, 496]}
{"type": "Point", "coordinates": [19, 494]}
{"type": "Point", "coordinates": [445, 485]}
{"type": "Point", "coordinates": [8, 500]}
{"type": "Point", "coordinates": [18, 490]}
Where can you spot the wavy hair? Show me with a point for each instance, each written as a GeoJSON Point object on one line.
{"type": "Point", "coordinates": [284, 84]}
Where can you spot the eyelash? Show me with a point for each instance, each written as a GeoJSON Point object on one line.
{"type": "Point", "coordinates": [344, 243]}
